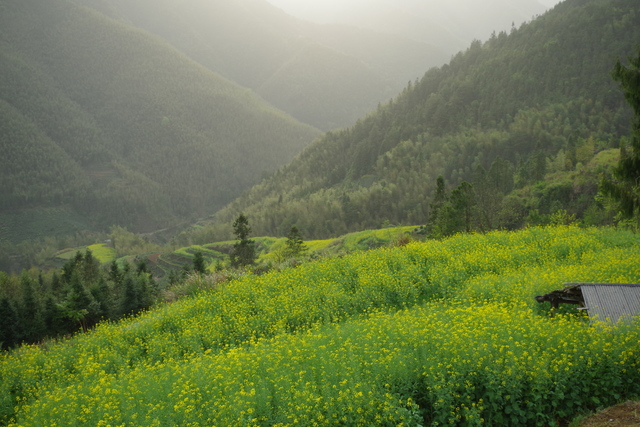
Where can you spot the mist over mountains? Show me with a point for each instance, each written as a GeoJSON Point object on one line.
{"type": "Point", "coordinates": [323, 75]}
{"type": "Point", "coordinates": [450, 25]}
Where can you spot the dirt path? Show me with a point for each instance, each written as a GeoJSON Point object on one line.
{"type": "Point", "coordinates": [623, 415]}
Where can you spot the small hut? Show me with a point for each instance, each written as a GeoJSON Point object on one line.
{"type": "Point", "coordinates": [603, 301]}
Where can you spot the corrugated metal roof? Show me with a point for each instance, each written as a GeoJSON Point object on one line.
{"type": "Point", "coordinates": [611, 301]}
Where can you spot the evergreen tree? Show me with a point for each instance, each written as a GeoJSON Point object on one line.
{"type": "Point", "coordinates": [129, 302]}
{"type": "Point", "coordinates": [91, 268]}
{"type": "Point", "coordinates": [459, 214]}
{"type": "Point", "coordinates": [438, 201]}
{"type": "Point", "coordinates": [56, 283]}
{"type": "Point", "coordinates": [69, 267]}
{"type": "Point", "coordinates": [199, 263]}
{"type": "Point", "coordinates": [79, 303]}
{"type": "Point", "coordinates": [30, 314]}
{"type": "Point", "coordinates": [147, 291]}
{"type": "Point", "coordinates": [141, 266]}
{"type": "Point", "coordinates": [244, 251]}
{"type": "Point", "coordinates": [8, 325]}
{"type": "Point", "coordinates": [101, 295]}
{"type": "Point", "coordinates": [54, 319]}
{"type": "Point", "coordinates": [294, 246]}
{"type": "Point", "coordinates": [624, 186]}
{"type": "Point", "coordinates": [114, 274]}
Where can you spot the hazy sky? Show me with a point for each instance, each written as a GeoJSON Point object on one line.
{"type": "Point", "coordinates": [324, 10]}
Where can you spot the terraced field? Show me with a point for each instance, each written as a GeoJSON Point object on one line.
{"type": "Point", "coordinates": [433, 333]}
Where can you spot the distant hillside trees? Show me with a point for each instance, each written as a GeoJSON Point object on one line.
{"type": "Point", "coordinates": [453, 213]}
{"type": "Point", "coordinates": [624, 187]}
{"type": "Point", "coordinates": [35, 306]}
{"type": "Point", "coordinates": [110, 123]}
{"type": "Point", "coordinates": [531, 119]}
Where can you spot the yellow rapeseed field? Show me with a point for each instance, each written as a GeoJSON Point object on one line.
{"type": "Point", "coordinates": [435, 333]}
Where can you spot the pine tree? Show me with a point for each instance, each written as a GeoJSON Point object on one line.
{"type": "Point", "coordinates": [294, 246]}
{"type": "Point", "coordinates": [624, 186]}
{"type": "Point", "coordinates": [459, 213]}
{"type": "Point", "coordinates": [8, 325]}
{"type": "Point", "coordinates": [30, 314]}
{"type": "Point", "coordinates": [244, 251]}
{"type": "Point", "coordinates": [114, 274]}
{"type": "Point", "coordinates": [147, 291]}
{"type": "Point", "coordinates": [130, 300]}
{"type": "Point", "coordinates": [79, 303]}
{"type": "Point", "coordinates": [438, 202]}
{"type": "Point", "coordinates": [101, 295]}
{"type": "Point", "coordinates": [199, 263]}
{"type": "Point", "coordinates": [54, 319]}
{"type": "Point", "coordinates": [91, 267]}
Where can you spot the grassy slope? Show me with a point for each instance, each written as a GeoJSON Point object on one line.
{"type": "Point", "coordinates": [267, 247]}
{"type": "Point", "coordinates": [444, 331]}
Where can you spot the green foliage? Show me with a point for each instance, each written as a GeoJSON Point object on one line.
{"type": "Point", "coordinates": [244, 252]}
{"type": "Point", "coordinates": [128, 243]}
{"type": "Point", "coordinates": [9, 324]}
{"type": "Point", "coordinates": [624, 188]}
{"type": "Point", "coordinates": [294, 245]}
{"type": "Point", "coordinates": [443, 331]}
{"type": "Point", "coordinates": [198, 263]}
{"type": "Point", "coordinates": [78, 296]}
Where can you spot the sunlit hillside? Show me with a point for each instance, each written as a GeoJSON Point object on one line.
{"type": "Point", "coordinates": [500, 116]}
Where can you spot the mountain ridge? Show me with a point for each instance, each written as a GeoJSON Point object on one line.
{"type": "Point", "coordinates": [539, 98]}
{"type": "Point", "coordinates": [149, 129]}
{"type": "Point", "coordinates": [252, 42]}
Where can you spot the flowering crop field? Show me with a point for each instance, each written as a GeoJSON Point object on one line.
{"type": "Point", "coordinates": [435, 333]}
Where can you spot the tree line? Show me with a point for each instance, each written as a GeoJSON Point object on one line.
{"type": "Point", "coordinates": [35, 305]}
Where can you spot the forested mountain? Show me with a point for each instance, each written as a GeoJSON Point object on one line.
{"type": "Point", "coordinates": [105, 120]}
{"type": "Point", "coordinates": [324, 75]}
{"type": "Point", "coordinates": [503, 115]}
{"type": "Point", "coordinates": [451, 25]}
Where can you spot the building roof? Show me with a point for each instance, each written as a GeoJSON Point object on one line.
{"type": "Point", "coordinates": [603, 301]}
{"type": "Point", "coordinates": [611, 301]}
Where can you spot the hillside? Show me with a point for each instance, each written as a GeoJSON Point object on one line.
{"type": "Point", "coordinates": [102, 120]}
{"type": "Point", "coordinates": [326, 76]}
{"type": "Point", "coordinates": [443, 332]}
{"type": "Point", "coordinates": [500, 115]}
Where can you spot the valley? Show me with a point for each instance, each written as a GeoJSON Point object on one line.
{"type": "Point", "coordinates": [217, 213]}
